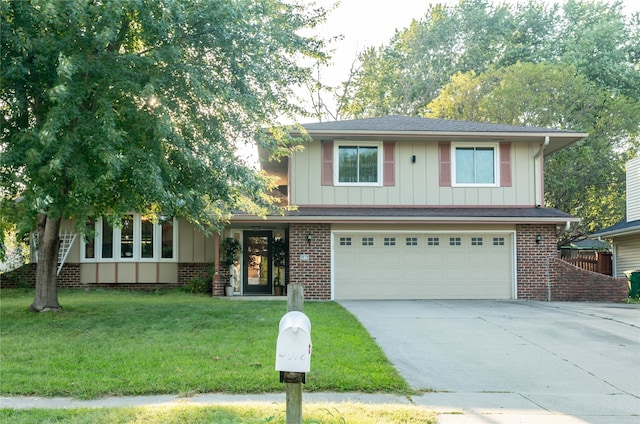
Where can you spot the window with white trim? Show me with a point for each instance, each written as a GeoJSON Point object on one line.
{"type": "Point", "coordinates": [137, 238]}
{"type": "Point", "coordinates": [475, 165]}
{"type": "Point", "coordinates": [358, 164]}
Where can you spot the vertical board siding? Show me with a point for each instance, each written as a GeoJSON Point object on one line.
{"type": "Point", "coordinates": [427, 182]}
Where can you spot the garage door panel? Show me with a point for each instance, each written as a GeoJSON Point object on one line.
{"type": "Point", "coordinates": [424, 266]}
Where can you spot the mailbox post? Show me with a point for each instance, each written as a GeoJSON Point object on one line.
{"type": "Point", "coordinates": [293, 352]}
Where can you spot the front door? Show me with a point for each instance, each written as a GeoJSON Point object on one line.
{"type": "Point", "coordinates": [257, 262]}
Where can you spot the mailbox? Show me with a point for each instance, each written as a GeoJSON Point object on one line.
{"type": "Point", "coordinates": [293, 349]}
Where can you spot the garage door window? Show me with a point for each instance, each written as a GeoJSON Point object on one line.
{"type": "Point", "coordinates": [455, 241]}
{"type": "Point", "coordinates": [476, 241]}
{"type": "Point", "coordinates": [433, 241]}
{"type": "Point", "coordinates": [345, 241]}
{"type": "Point", "coordinates": [411, 241]}
{"type": "Point", "coordinates": [498, 241]}
{"type": "Point", "coordinates": [367, 241]}
{"type": "Point", "coordinates": [389, 241]}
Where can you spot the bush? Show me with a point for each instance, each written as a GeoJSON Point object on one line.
{"type": "Point", "coordinates": [202, 283]}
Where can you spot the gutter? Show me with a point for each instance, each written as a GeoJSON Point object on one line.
{"type": "Point", "coordinates": [543, 147]}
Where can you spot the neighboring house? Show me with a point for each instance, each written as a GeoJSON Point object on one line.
{"type": "Point", "coordinates": [411, 208]}
{"type": "Point", "coordinates": [385, 208]}
{"type": "Point", "coordinates": [625, 235]}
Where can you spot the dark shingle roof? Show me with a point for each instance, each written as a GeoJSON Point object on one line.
{"type": "Point", "coordinates": [619, 228]}
{"type": "Point", "coordinates": [396, 123]}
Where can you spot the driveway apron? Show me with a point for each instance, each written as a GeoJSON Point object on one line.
{"type": "Point", "coordinates": [542, 361]}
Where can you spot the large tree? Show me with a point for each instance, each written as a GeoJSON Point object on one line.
{"type": "Point", "coordinates": [585, 179]}
{"type": "Point", "coordinates": [140, 105]}
{"type": "Point", "coordinates": [404, 75]}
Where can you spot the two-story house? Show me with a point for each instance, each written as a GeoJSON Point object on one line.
{"type": "Point", "coordinates": [387, 208]}
{"type": "Point", "coordinates": [410, 208]}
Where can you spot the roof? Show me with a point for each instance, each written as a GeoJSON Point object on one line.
{"type": "Point", "coordinates": [400, 127]}
{"type": "Point", "coordinates": [420, 215]}
{"type": "Point", "coordinates": [620, 229]}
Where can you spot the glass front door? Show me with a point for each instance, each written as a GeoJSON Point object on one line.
{"type": "Point", "coordinates": [257, 271]}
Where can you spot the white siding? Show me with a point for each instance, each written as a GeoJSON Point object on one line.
{"type": "Point", "coordinates": [627, 251]}
{"type": "Point", "coordinates": [633, 190]}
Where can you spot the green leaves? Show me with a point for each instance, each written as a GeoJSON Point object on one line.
{"type": "Point", "coordinates": [142, 104]}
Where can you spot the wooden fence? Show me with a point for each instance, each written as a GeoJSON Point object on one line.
{"type": "Point", "coordinates": [599, 262]}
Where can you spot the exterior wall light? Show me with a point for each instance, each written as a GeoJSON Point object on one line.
{"type": "Point", "coordinates": [309, 238]}
{"type": "Point", "coordinates": [413, 159]}
{"type": "Point", "coordinates": [538, 239]}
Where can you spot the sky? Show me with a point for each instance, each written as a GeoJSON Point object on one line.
{"type": "Point", "coordinates": [365, 23]}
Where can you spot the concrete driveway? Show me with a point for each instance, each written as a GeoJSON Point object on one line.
{"type": "Point", "coordinates": [513, 361]}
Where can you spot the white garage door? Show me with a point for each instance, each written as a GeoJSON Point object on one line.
{"type": "Point", "coordinates": [423, 266]}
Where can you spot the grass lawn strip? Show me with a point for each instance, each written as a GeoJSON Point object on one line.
{"type": "Point", "coordinates": [352, 413]}
{"type": "Point", "coordinates": [107, 343]}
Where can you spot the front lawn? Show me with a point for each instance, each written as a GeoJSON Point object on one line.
{"type": "Point", "coordinates": [107, 343]}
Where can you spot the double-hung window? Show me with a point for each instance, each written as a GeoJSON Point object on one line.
{"type": "Point", "coordinates": [475, 165]}
{"type": "Point", "coordinates": [136, 238]}
{"type": "Point", "coordinates": [359, 164]}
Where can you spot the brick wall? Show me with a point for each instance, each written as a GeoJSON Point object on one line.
{"type": "Point", "coordinates": [314, 274]}
{"type": "Point", "coordinates": [570, 283]}
{"type": "Point", "coordinates": [69, 277]}
{"type": "Point", "coordinates": [532, 257]}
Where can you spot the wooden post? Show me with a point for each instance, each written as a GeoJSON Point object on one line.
{"type": "Point", "coordinates": [295, 302]}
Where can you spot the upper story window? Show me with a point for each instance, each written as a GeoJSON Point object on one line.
{"type": "Point", "coordinates": [358, 164]}
{"type": "Point", "coordinates": [137, 238]}
{"type": "Point", "coordinates": [475, 165]}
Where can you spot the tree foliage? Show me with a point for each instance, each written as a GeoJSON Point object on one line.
{"type": "Point", "coordinates": [572, 65]}
{"type": "Point", "coordinates": [141, 105]}
{"type": "Point", "coordinates": [585, 179]}
{"type": "Point", "coordinates": [404, 75]}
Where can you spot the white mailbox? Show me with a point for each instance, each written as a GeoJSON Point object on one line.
{"type": "Point", "coordinates": [293, 349]}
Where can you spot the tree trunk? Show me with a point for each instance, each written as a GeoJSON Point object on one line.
{"type": "Point", "coordinates": [46, 297]}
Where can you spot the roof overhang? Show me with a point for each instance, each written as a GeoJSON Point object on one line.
{"type": "Point", "coordinates": [557, 140]}
{"type": "Point", "coordinates": [338, 215]}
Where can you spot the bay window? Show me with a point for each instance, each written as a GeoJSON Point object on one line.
{"type": "Point", "coordinates": [137, 238]}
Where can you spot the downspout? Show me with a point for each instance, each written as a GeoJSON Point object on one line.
{"type": "Point", "coordinates": [538, 184]}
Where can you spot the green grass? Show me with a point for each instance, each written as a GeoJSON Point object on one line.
{"type": "Point", "coordinates": [231, 414]}
{"type": "Point", "coordinates": [107, 343]}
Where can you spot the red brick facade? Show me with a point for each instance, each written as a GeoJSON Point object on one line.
{"type": "Point", "coordinates": [310, 261]}
{"type": "Point", "coordinates": [532, 259]}
{"type": "Point", "coordinates": [541, 274]}
{"type": "Point", "coordinates": [570, 283]}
